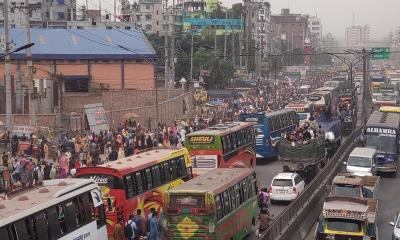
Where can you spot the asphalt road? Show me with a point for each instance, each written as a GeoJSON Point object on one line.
{"type": "Point", "coordinates": [388, 204]}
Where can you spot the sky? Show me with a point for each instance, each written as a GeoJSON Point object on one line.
{"type": "Point", "coordinates": [382, 15]}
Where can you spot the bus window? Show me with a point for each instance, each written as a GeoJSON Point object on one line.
{"type": "Point", "coordinates": [237, 194]}
{"type": "Point", "coordinates": [72, 216]}
{"type": "Point", "coordinates": [173, 171]}
{"type": "Point", "coordinates": [149, 179]}
{"type": "Point", "coordinates": [182, 170]}
{"type": "Point", "coordinates": [157, 175]}
{"type": "Point", "coordinates": [4, 233]}
{"type": "Point", "coordinates": [130, 191]}
{"type": "Point", "coordinates": [21, 229]}
{"type": "Point", "coordinates": [167, 176]}
{"type": "Point", "coordinates": [61, 218]}
{"type": "Point", "coordinates": [139, 182]}
{"type": "Point", "coordinates": [232, 196]}
{"type": "Point", "coordinates": [220, 213]}
{"type": "Point", "coordinates": [41, 226]}
{"type": "Point", "coordinates": [245, 191]}
{"type": "Point", "coordinates": [54, 225]}
{"type": "Point", "coordinates": [100, 216]}
{"type": "Point", "coordinates": [226, 202]}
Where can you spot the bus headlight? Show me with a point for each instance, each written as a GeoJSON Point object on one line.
{"type": "Point", "coordinates": [211, 227]}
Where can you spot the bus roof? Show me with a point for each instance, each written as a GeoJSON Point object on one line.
{"type": "Point", "coordinates": [221, 129]}
{"type": "Point", "coordinates": [389, 109]}
{"type": "Point", "coordinates": [25, 202]}
{"type": "Point", "coordinates": [136, 161]}
{"type": "Point", "coordinates": [384, 120]}
{"type": "Point", "coordinates": [279, 112]}
{"type": "Point", "coordinates": [213, 181]}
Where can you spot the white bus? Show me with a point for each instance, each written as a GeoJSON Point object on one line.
{"type": "Point", "coordinates": [66, 209]}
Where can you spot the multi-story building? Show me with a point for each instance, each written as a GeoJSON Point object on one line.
{"type": "Point", "coordinates": [329, 41]}
{"type": "Point", "coordinates": [51, 14]}
{"type": "Point", "coordinates": [315, 27]}
{"type": "Point", "coordinates": [357, 36]}
{"type": "Point", "coordinates": [289, 30]}
{"type": "Point", "coordinates": [145, 14]}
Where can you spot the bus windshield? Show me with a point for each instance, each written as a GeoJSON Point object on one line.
{"type": "Point", "coordinates": [359, 162]}
{"type": "Point", "coordinates": [385, 144]}
{"type": "Point", "coordinates": [344, 190]}
{"type": "Point", "coordinates": [344, 225]}
{"type": "Point", "coordinates": [187, 200]}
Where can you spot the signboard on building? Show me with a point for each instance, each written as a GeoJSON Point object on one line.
{"type": "Point", "coordinates": [96, 117]}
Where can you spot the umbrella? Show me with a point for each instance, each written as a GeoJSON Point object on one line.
{"type": "Point", "coordinates": [131, 115]}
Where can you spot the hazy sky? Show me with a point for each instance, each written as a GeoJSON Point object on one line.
{"type": "Point", "coordinates": [382, 15]}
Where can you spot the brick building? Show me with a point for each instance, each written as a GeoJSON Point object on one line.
{"type": "Point", "coordinates": [68, 62]}
{"type": "Point", "coordinates": [289, 29]}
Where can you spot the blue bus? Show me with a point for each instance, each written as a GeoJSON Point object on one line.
{"type": "Point", "coordinates": [270, 127]}
{"type": "Point", "coordinates": [382, 133]}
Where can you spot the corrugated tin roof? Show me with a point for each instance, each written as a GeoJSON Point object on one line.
{"type": "Point", "coordinates": [67, 44]}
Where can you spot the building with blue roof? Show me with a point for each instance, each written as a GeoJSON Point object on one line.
{"type": "Point", "coordinates": [68, 61]}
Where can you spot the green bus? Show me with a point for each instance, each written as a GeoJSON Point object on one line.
{"type": "Point", "coordinates": [220, 204]}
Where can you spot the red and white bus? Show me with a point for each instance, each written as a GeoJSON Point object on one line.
{"type": "Point", "coordinates": [230, 144]}
{"type": "Point", "coordinates": [138, 181]}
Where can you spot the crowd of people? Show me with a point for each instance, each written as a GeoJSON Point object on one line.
{"type": "Point", "coordinates": [32, 159]}
{"type": "Point", "coordinates": [270, 98]}
{"type": "Point", "coordinates": [305, 133]}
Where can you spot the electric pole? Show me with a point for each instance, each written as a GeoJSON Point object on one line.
{"type": "Point", "coordinates": [191, 59]}
{"type": "Point", "coordinates": [365, 87]}
{"type": "Point", "coordinates": [166, 57]}
{"type": "Point", "coordinates": [172, 53]}
{"type": "Point", "coordinates": [226, 19]}
{"type": "Point", "coordinates": [241, 42]}
{"type": "Point", "coordinates": [31, 96]}
{"type": "Point", "coordinates": [7, 69]}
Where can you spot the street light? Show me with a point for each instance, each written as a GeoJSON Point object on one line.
{"type": "Point", "coordinates": [18, 49]}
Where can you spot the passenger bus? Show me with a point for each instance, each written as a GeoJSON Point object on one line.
{"type": "Point", "coordinates": [321, 101]}
{"type": "Point", "coordinates": [58, 209]}
{"type": "Point", "coordinates": [270, 127]}
{"type": "Point", "coordinates": [229, 144]}
{"type": "Point", "coordinates": [389, 109]}
{"type": "Point", "coordinates": [221, 204]}
{"type": "Point", "coordinates": [382, 133]}
{"type": "Point", "coordinates": [302, 109]}
{"type": "Point", "coordinates": [138, 181]}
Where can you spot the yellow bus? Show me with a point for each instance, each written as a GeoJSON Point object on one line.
{"type": "Point", "coordinates": [220, 204]}
{"type": "Point", "coordinates": [138, 181]}
{"type": "Point", "coordinates": [389, 109]}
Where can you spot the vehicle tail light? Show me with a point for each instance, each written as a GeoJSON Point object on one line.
{"type": "Point", "coordinates": [294, 189]}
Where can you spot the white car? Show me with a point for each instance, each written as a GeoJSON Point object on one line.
{"type": "Point", "coordinates": [286, 187]}
{"type": "Point", "coordinates": [396, 227]}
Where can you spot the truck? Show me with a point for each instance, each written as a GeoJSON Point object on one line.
{"type": "Point", "coordinates": [348, 185]}
{"type": "Point", "coordinates": [348, 218]}
{"type": "Point", "coordinates": [304, 159]}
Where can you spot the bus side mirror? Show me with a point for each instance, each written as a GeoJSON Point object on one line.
{"type": "Point", "coordinates": [391, 223]}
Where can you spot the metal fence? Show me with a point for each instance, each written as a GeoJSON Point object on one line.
{"type": "Point", "coordinates": [300, 215]}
